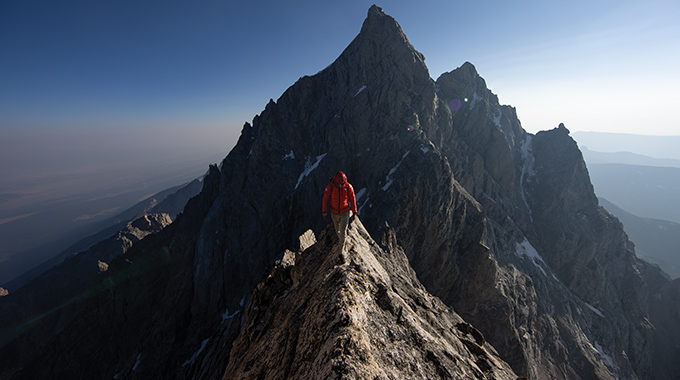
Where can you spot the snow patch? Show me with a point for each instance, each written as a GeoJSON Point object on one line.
{"type": "Point", "coordinates": [226, 315]}
{"type": "Point", "coordinates": [309, 167]}
{"type": "Point", "coordinates": [527, 250]}
{"type": "Point", "coordinates": [139, 360]}
{"type": "Point", "coordinates": [289, 156]}
{"type": "Point", "coordinates": [594, 310]}
{"type": "Point", "coordinates": [527, 157]}
{"type": "Point", "coordinates": [359, 92]}
{"type": "Point", "coordinates": [388, 179]}
{"type": "Point", "coordinates": [424, 148]}
{"type": "Point", "coordinates": [605, 358]}
{"type": "Point", "coordinates": [497, 120]}
{"type": "Point", "coordinates": [475, 98]}
{"type": "Point", "coordinates": [195, 355]}
{"type": "Point", "coordinates": [527, 169]}
{"type": "Point", "coordinates": [359, 196]}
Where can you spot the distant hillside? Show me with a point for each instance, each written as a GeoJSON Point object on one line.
{"type": "Point", "coordinates": [47, 212]}
{"type": "Point", "coordinates": [170, 201]}
{"type": "Point", "coordinates": [647, 191]}
{"type": "Point", "coordinates": [652, 146]}
{"type": "Point", "coordinates": [656, 241]}
{"type": "Point", "coordinates": [628, 158]}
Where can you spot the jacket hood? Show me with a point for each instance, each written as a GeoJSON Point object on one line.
{"type": "Point", "coordinates": [339, 177]}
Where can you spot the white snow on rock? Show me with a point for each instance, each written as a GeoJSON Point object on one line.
{"type": "Point", "coordinates": [497, 119]}
{"type": "Point", "coordinates": [289, 156]}
{"type": "Point", "coordinates": [527, 157]}
{"type": "Point", "coordinates": [139, 360]}
{"type": "Point", "coordinates": [359, 196]}
{"type": "Point", "coordinates": [359, 92]}
{"type": "Point", "coordinates": [605, 358]}
{"type": "Point", "coordinates": [226, 315]}
{"type": "Point", "coordinates": [475, 98]}
{"type": "Point", "coordinates": [527, 168]}
{"type": "Point", "coordinates": [527, 250]}
{"type": "Point", "coordinates": [195, 355]}
{"type": "Point", "coordinates": [594, 310]}
{"type": "Point", "coordinates": [309, 167]}
{"type": "Point", "coordinates": [388, 179]}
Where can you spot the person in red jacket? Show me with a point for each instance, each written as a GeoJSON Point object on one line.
{"type": "Point", "coordinates": [340, 195]}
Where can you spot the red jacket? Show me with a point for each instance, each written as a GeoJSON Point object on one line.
{"type": "Point", "coordinates": [340, 194]}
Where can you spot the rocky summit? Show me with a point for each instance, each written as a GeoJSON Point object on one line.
{"type": "Point", "coordinates": [492, 258]}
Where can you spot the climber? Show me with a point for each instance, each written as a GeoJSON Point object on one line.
{"type": "Point", "coordinates": [341, 196]}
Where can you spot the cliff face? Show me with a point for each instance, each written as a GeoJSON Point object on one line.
{"type": "Point", "coordinates": [500, 225]}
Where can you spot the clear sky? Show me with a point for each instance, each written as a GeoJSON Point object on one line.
{"type": "Point", "coordinates": [192, 72]}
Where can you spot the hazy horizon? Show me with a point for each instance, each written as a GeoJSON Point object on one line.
{"type": "Point", "coordinates": [57, 190]}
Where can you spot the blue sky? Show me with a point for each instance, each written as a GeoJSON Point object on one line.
{"type": "Point", "coordinates": [169, 72]}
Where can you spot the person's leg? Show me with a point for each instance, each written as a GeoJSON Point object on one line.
{"type": "Point", "coordinates": [342, 227]}
{"type": "Point", "coordinates": [340, 222]}
{"type": "Point", "coordinates": [336, 223]}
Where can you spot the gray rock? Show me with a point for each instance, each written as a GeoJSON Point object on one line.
{"type": "Point", "coordinates": [367, 318]}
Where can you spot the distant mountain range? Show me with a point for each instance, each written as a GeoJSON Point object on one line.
{"type": "Point", "coordinates": [656, 241]}
{"type": "Point", "coordinates": [664, 147]}
{"type": "Point", "coordinates": [642, 190]}
{"type": "Point", "coordinates": [646, 191]}
{"type": "Point", "coordinates": [628, 158]}
{"type": "Point", "coordinates": [51, 212]}
{"type": "Point", "coordinates": [170, 201]}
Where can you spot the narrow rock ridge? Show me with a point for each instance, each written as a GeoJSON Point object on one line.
{"type": "Point", "coordinates": [366, 318]}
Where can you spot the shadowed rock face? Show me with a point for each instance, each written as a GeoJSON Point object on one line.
{"type": "Point", "coordinates": [500, 225]}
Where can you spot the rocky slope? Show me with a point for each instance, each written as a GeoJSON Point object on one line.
{"type": "Point", "coordinates": [35, 310]}
{"type": "Point", "coordinates": [502, 226]}
{"type": "Point", "coordinates": [170, 201]}
{"type": "Point", "coordinates": [366, 318]}
{"type": "Point", "coordinates": [656, 241]}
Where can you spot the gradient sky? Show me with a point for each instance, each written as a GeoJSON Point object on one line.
{"type": "Point", "coordinates": [194, 71]}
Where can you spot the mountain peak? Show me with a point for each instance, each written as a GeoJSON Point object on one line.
{"type": "Point", "coordinates": [381, 37]}
{"type": "Point", "coordinates": [376, 15]}
{"type": "Point", "coordinates": [375, 11]}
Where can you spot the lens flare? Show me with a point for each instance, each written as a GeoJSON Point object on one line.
{"type": "Point", "coordinates": [409, 128]}
{"type": "Point", "coordinates": [455, 105]}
